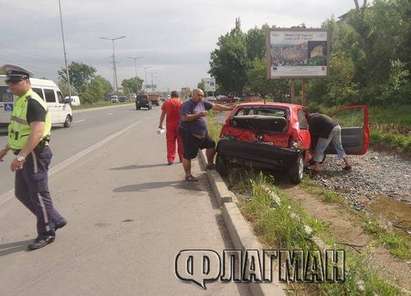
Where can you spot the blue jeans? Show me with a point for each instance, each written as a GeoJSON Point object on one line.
{"type": "Point", "coordinates": [322, 144]}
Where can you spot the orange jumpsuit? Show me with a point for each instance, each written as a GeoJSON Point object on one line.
{"type": "Point", "coordinates": [172, 109]}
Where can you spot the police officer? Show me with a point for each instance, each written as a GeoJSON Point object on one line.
{"type": "Point", "coordinates": [28, 138]}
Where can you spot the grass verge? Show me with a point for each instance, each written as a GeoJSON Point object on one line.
{"type": "Point", "coordinates": [397, 243]}
{"type": "Point", "coordinates": [282, 226]}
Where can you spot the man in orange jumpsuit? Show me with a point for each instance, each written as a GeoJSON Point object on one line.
{"type": "Point", "coordinates": [171, 109]}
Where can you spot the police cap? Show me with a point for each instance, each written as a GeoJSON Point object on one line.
{"type": "Point", "coordinates": [16, 73]}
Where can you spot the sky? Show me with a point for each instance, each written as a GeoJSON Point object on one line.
{"type": "Point", "coordinates": [173, 38]}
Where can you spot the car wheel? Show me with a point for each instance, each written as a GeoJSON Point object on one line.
{"type": "Point", "coordinates": [68, 121]}
{"type": "Point", "coordinates": [296, 172]}
{"type": "Point", "coordinates": [221, 165]}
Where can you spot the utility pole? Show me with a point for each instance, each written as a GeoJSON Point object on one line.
{"type": "Point", "coordinates": [145, 76]}
{"type": "Point", "coordinates": [115, 81]}
{"type": "Point", "coordinates": [64, 50]}
{"type": "Point", "coordinates": [135, 64]}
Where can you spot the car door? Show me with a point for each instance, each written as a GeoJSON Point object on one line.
{"type": "Point", "coordinates": [64, 108]}
{"type": "Point", "coordinates": [51, 99]}
{"type": "Point", "coordinates": [355, 132]}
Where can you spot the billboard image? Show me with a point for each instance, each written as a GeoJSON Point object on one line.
{"type": "Point", "coordinates": [297, 53]}
{"type": "Point", "coordinates": [209, 84]}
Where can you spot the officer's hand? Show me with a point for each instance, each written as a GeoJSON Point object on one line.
{"type": "Point", "coordinates": [16, 165]}
{"type": "Point", "coordinates": [203, 113]}
{"type": "Point", "coordinates": [3, 153]}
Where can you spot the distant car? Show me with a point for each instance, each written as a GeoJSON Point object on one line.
{"type": "Point", "coordinates": [143, 101]}
{"type": "Point", "coordinates": [122, 99]}
{"type": "Point", "coordinates": [211, 99]}
{"type": "Point", "coordinates": [276, 136]}
{"type": "Point", "coordinates": [114, 99]}
{"type": "Point", "coordinates": [74, 100]}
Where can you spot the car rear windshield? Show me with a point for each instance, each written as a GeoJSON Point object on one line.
{"type": "Point", "coordinates": [263, 111]}
{"type": "Point", "coordinates": [5, 94]}
{"type": "Point", "coordinates": [261, 119]}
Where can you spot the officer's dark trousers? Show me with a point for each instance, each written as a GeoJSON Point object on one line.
{"type": "Point", "coordinates": [31, 188]}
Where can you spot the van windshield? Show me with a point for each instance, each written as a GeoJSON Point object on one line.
{"type": "Point", "coordinates": [5, 94]}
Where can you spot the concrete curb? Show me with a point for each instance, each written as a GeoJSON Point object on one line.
{"type": "Point", "coordinates": [239, 229]}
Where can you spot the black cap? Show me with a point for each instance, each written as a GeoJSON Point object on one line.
{"type": "Point", "coordinates": [16, 73]}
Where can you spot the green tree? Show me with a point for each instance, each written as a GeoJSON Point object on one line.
{"type": "Point", "coordinates": [256, 42]}
{"type": "Point", "coordinates": [80, 75]}
{"type": "Point", "coordinates": [132, 85]}
{"type": "Point", "coordinates": [228, 62]}
{"type": "Point", "coordinates": [201, 85]}
{"type": "Point", "coordinates": [96, 90]}
{"type": "Point", "coordinates": [258, 84]}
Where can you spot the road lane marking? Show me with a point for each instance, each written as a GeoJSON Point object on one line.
{"type": "Point", "coordinates": [78, 121]}
{"type": "Point", "coordinates": [5, 197]}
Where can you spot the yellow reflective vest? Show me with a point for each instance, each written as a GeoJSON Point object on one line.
{"type": "Point", "coordinates": [19, 128]}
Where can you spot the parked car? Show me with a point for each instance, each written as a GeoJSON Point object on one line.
{"type": "Point", "coordinates": [143, 101]}
{"type": "Point", "coordinates": [114, 99]}
{"type": "Point", "coordinates": [122, 99]}
{"type": "Point", "coordinates": [276, 136]}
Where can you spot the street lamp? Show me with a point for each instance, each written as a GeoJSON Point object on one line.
{"type": "Point", "coordinates": [115, 82]}
{"type": "Point", "coordinates": [135, 63]}
{"type": "Point", "coordinates": [64, 50]}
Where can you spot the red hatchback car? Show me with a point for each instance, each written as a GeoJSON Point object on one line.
{"type": "Point", "coordinates": [276, 136]}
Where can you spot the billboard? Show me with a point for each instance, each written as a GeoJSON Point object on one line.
{"type": "Point", "coordinates": [209, 84]}
{"type": "Point", "coordinates": [297, 53]}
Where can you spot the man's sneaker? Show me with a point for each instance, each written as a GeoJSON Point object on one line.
{"type": "Point", "coordinates": [60, 225]}
{"type": "Point", "coordinates": [41, 241]}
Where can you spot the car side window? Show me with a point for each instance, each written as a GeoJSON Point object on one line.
{"type": "Point", "coordinates": [243, 112]}
{"type": "Point", "coordinates": [39, 92]}
{"type": "Point", "coordinates": [50, 95]}
{"type": "Point", "coordinates": [60, 97]}
{"type": "Point", "coordinates": [5, 94]}
{"type": "Point", "coordinates": [302, 120]}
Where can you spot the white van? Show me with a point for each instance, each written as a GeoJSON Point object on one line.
{"type": "Point", "coordinates": [59, 108]}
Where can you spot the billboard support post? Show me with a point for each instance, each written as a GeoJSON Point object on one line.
{"type": "Point", "coordinates": [292, 90]}
{"type": "Point", "coordinates": [303, 92]}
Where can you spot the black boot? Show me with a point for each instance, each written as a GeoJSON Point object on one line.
{"type": "Point", "coordinates": [42, 241]}
{"type": "Point", "coordinates": [61, 224]}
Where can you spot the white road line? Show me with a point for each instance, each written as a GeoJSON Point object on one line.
{"type": "Point", "coordinates": [5, 197]}
{"type": "Point", "coordinates": [78, 121]}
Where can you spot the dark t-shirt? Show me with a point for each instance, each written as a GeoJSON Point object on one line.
{"type": "Point", "coordinates": [35, 111]}
{"type": "Point", "coordinates": [198, 126]}
{"type": "Point", "coordinates": [321, 125]}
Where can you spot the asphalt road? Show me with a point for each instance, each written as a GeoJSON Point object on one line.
{"type": "Point", "coordinates": [129, 215]}
{"type": "Point", "coordinates": [88, 128]}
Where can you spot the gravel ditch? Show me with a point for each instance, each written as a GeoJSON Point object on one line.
{"type": "Point", "coordinates": [373, 175]}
